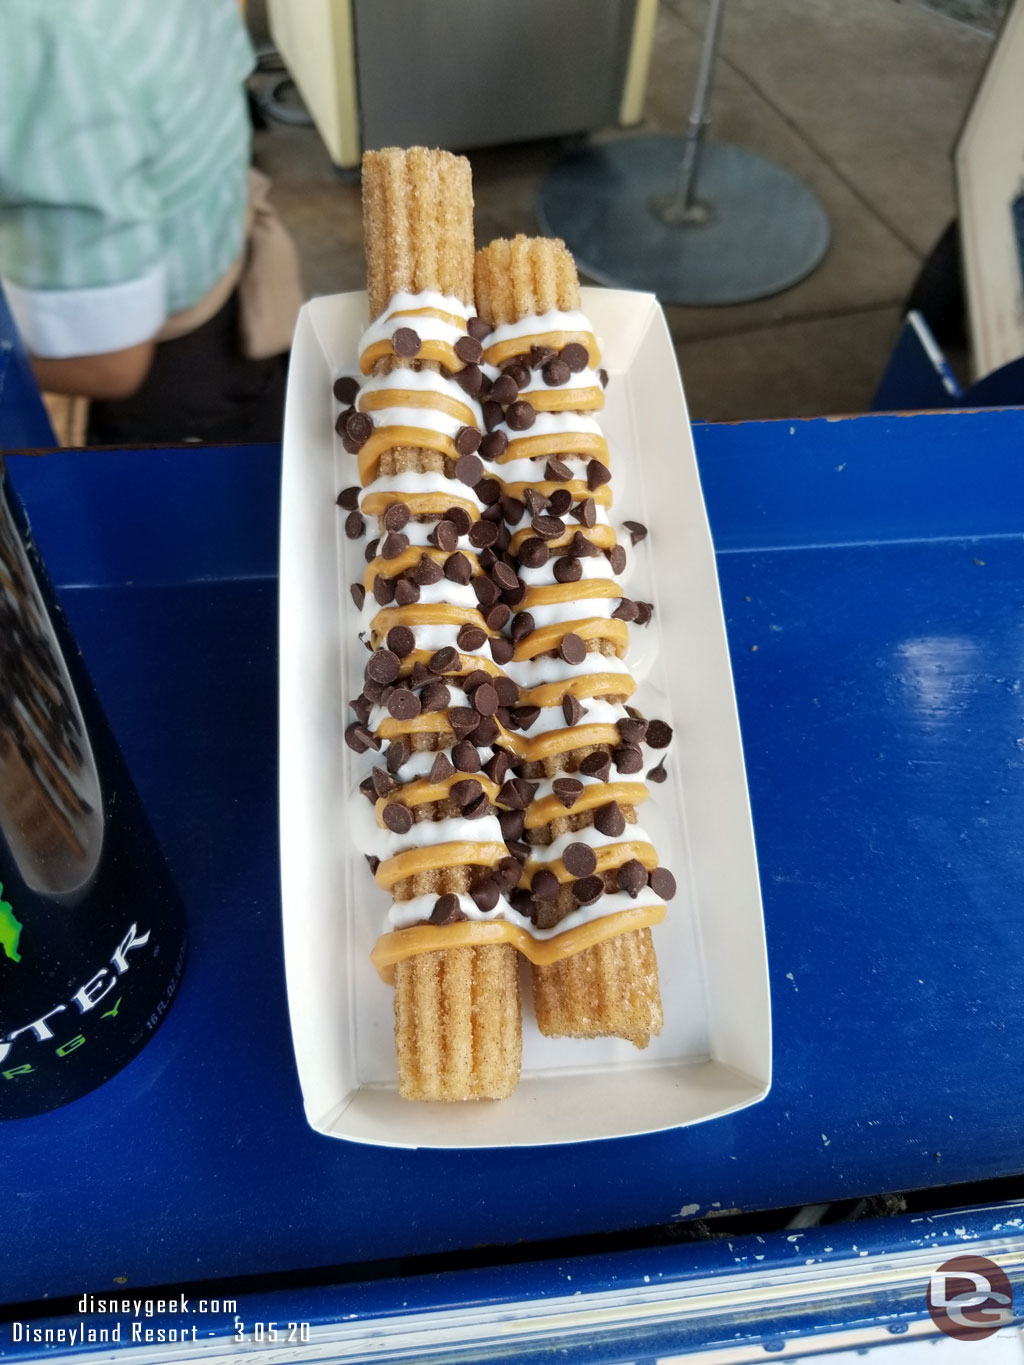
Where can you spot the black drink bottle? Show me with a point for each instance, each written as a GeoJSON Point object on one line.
{"type": "Point", "coordinates": [92, 933]}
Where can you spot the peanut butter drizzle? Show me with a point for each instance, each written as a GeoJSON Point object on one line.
{"type": "Point", "coordinates": [520, 346]}
{"type": "Point", "coordinates": [408, 559]}
{"type": "Point", "coordinates": [613, 686]}
{"type": "Point", "coordinates": [542, 812]}
{"type": "Point", "coordinates": [609, 856]}
{"type": "Point", "coordinates": [419, 504]}
{"type": "Point", "coordinates": [590, 399]}
{"type": "Point", "coordinates": [421, 791]}
{"type": "Point", "coordinates": [428, 399]}
{"type": "Point", "coordinates": [546, 638]}
{"type": "Point", "coordinates": [386, 438]}
{"type": "Point", "coordinates": [440, 351]}
{"type": "Point", "coordinates": [426, 614]}
{"type": "Point", "coordinates": [557, 443]}
{"type": "Point", "coordinates": [544, 594]}
{"type": "Point", "coordinates": [458, 853]}
{"type": "Point", "coordinates": [579, 489]}
{"type": "Point", "coordinates": [601, 536]}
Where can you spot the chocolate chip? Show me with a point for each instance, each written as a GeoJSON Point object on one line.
{"type": "Point", "coordinates": [421, 675]}
{"type": "Point", "coordinates": [501, 650]}
{"type": "Point", "coordinates": [579, 860]}
{"type": "Point", "coordinates": [463, 720]}
{"type": "Point", "coordinates": [557, 471]}
{"type": "Point", "coordinates": [505, 576]}
{"type": "Point", "coordinates": [576, 356]}
{"type": "Point", "coordinates": [445, 535]}
{"type": "Point", "coordinates": [536, 501]}
{"type": "Point", "coordinates": [471, 637]}
{"type": "Point", "coordinates": [406, 342]}
{"type": "Point", "coordinates": [522, 625]}
{"type": "Point", "coordinates": [478, 328]}
{"type": "Point", "coordinates": [383, 782]}
{"type": "Point", "coordinates": [486, 893]}
{"type": "Point", "coordinates": [520, 416]}
{"type": "Point", "coordinates": [396, 516]}
{"type": "Point", "coordinates": [597, 764]}
{"type": "Point", "coordinates": [346, 389]}
{"type": "Point", "coordinates": [498, 616]}
{"type": "Point", "coordinates": [597, 474]}
{"type": "Point", "coordinates": [462, 793]}
{"type": "Point", "coordinates": [366, 788]}
{"type": "Point", "coordinates": [540, 355]}
{"type": "Point", "coordinates": [470, 380]}
{"type": "Point", "coordinates": [585, 512]}
{"type": "Point", "coordinates": [533, 553]}
{"type": "Point", "coordinates": [507, 872]}
{"type": "Point", "coordinates": [657, 774]}
{"type": "Point", "coordinates": [568, 569]}
{"type": "Point", "coordinates": [394, 544]}
{"type": "Point", "coordinates": [512, 823]}
{"type": "Point", "coordinates": [384, 666]}
{"type": "Point", "coordinates": [435, 697]}
{"type": "Point", "coordinates": [494, 444]}
{"type": "Point", "coordinates": [512, 510]}
{"type": "Point", "coordinates": [354, 525]}
{"type": "Point", "coordinates": [659, 734]}
{"type": "Point", "coordinates": [663, 884]}
{"type": "Point", "coordinates": [361, 707]}
{"type": "Point", "coordinates": [632, 877]}
{"type": "Point", "coordinates": [568, 790]}
{"type": "Point", "coordinates": [458, 569]}
{"type": "Point", "coordinates": [482, 534]}
{"type": "Point", "coordinates": [588, 890]}
{"type": "Point", "coordinates": [556, 372]}
{"type": "Point", "coordinates": [465, 756]}
{"type": "Point", "coordinates": [370, 553]}
{"type": "Point", "coordinates": [610, 820]}
{"type": "Point", "coordinates": [559, 502]}
{"type": "Point", "coordinates": [637, 531]}
{"type": "Point", "coordinates": [359, 738]}
{"type": "Point", "coordinates": [468, 348]}
{"type": "Point", "coordinates": [545, 885]}
{"type": "Point", "coordinates": [631, 730]}
{"type": "Point", "coordinates": [485, 699]}
{"type": "Point", "coordinates": [617, 559]}
{"type": "Point", "coordinates": [526, 716]}
{"type": "Point", "coordinates": [359, 428]}
{"type": "Point", "coordinates": [397, 817]}
{"type": "Point", "coordinates": [401, 641]}
{"type": "Point", "coordinates": [572, 649]}
{"type": "Point", "coordinates": [447, 910]}
{"type": "Point", "coordinates": [602, 374]}
{"type": "Point", "coordinates": [628, 758]}
{"type": "Point", "coordinates": [444, 660]}
{"type": "Point", "coordinates": [507, 690]}
{"type": "Point", "coordinates": [373, 692]}
{"type": "Point", "coordinates": [358, 595]}
{"type": "Point", "coordinates": [517, 793]}
{"type": "Point", "coordinates": [467, 440]}
{"type": "Point", "coordinates": [625, 610]}
{"type": "Point", "coordinates": [504, 390]}
{"type": "Point", "coordinates": [497, 766]}
{"type": "Point", "coordinates": [572, 709]}
{"type": "Point", "coordinates": [548, 528]}
{"type": "Point", "coordinates": [350, 445]}
{"type": "Point", "coordinates": [487, 592]}
{"type": "Point", "coordinates": [518, 373]}
{"type": "Point", "coordinates": [459, 518]}
{"type": "Point", "coordinates": [440, 770]}
{"type": "Point", "coordinates": [348, 498]}
{"type": "Point", "coordinates": [406, 592]}
{"type": "Point", "coordinates": [398, 753]}
{"type": "Point", "coordinates": [492, 415]}
{"type": "Point", "coordinates": [580, 545]}
{"type": "Point", "coordinates": [477, 809]}
{"type": "Point", "coordinates": [519, 850]}
{"type": "Point", "coordinates": [403, 704]}
{"type": "Point", "coordinates": [469, 469]}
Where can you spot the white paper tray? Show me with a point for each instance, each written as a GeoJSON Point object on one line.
{"type": "Point", "coordinates": [714, 1054]}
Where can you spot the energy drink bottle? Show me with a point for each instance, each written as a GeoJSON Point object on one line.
{"type": "Point", "coordinates": [92, 932]}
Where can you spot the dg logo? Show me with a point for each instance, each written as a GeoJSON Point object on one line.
{"type": "Point", "coordinates": [969, 1298]}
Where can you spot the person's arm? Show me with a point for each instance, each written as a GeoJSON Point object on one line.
{"type": "Point", "coordinates": [108, 376]}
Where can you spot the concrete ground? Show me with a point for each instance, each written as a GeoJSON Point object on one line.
{"type": "Point", "coordinates": [862, 99]}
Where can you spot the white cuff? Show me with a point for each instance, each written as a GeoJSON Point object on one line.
{"type": "Point", "coordinates": [57, 323]}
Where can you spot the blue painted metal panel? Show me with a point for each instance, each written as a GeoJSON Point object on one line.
{"type": "Point", "coordinates": [24, 423]}
{"type": "Point", "coordinates": [881, 708]}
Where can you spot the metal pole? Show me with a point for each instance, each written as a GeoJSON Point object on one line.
{"type": "Point", "coordinates": [684, 206]}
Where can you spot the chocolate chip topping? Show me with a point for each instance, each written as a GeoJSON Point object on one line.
{"type": "Point", "coordinates": [494, 444]}
{"type": "Point", "coordinates": [533, 553]}
{"type": "Point", "coordinates": [398, 753]}
{"type": "Point", "coordinates": [579, 860]}
{"type": "Point", "coordinates": [632, 877]}
{"type": "Point", "coordinates": [383, 589]}
{"type": "Point", "coordinates": [396, 516]}
{"type": "Point", "coordinates": [478, 328]}
{"type": "Point", "coordinates": [520, 415]}
{"type": "Point", "coordinates": [522, 625]}
{"type": "Point", "coordinates": [659, 734]}
{"type": "Point", "coordinates": [657, 774]}
{"type": "Point", "coordinates": [473, 680]}
{"type": "Point", "coordinates": [559, 502]}
{"type": "Point", "coordinates": [505, 576]}
{"type": "Point", "coordinates": [548, 528]}
{"type": "Point", "coordinates": [508, 871]}
{"type": "Point", "coordinates": [435, 697]}
{"type": "Point", "coordinates": [631, 730]}
{"type": "Point", "coordinates": [512, 823]}
{"type": "Point", "coordinates": [610, 820]}
{"type": "Point", "coordinates": [458, 569]}
{"type": "Point", "coordinates": [460, 519]}
{"type": "Point", "coordinates": [512, 510]}
{"type": "Point", "coordinates": [348, 498]}
{"type": "Point", "coordinates": [597, 764]}
{"type": "Point", "coordinates": [447, 910]}
{"type": "Point", "coordinates": [504, 390]}
{"type": "Point", "coordinates": [575, 355]}
{"type": "Point", "coordinates": [556, 372]}
{"type": "Point", "coordinates": [469, 469]}
{"type": "Point", "coordinates": [370, 553]}
{"type": "Point", "coordinates": [572, 709]}
{"type": "Point", "coordinates": [406, 592]}
{"type": "Point", "coordinates": [441, 769]}
{"type": "Point", "coordinates": [359, 428]}
{"type": "Point", "coordinates": [568, 790]}
{"type": "Point", "coordinates": [568, 569]}
{"type": "Point", "coordinates": [501, 650]}
{"type": "Point", "coordinates": [486, 893]}
{"type": "Point", "coordinates": [637, 531]}
{"type": "Point", "coordinates": [516, 793]}
{"type": "Point", "coordinates": [557, 471]}
{"type": "Point", "coordinates": [401, 641]}
{"type": "Point", "coordinates": [518, 372]}
{"type": "Point", "coordinates": [492, 414]}
{"type": "Point", "coordinates": [540, 355]}
{"type": "Point", "coordinates": [346, 389]}
{"type": "Point", "coordinates": [585, 512]}
{"type": "Point", "coordinates": [572, 649]}
{"type": "Point", "coordinates": [464, 755]}
{"type": "Point", "coordinates": [444, 660]}
{"type": "Point", "coordinates": [358, 595]}
{"type": "Point", "coordinates": [483, 533]}
{"type": "Point", "coordinates": [545, 885]}
{"type": "Point", "coordinates": [354, 525]}
{"type": "Point", "coordinates": [366, 789]}
{"type": "Point", "coordinates": [470, 380]}
{"type": "Point", "coordinates": [383, 666]}
{"type": "Point", "coordinates": [361, 706]}
{"type": "Point", "coordinates": [359, 738]}
{"type": "Point", "coordinates": [406, 342]}
{"type": "Point", "coordinates": [497, 766]}
{"type": "Point", "coordinates": [507, 690]}
{"type": "Point", "coordinates": [468, 348]}
{"type": "Point", "coordinates": [404, 704]}
{"type": "Point", "coordinates": [462, 793]}
{"type": "Point", "coordinates": [597, 474]}
{"type": "Point", "coordinates": [663, 884]}
{"type": "Point", "coordinates": [628, 758]}
{"type": "Point", "coordinates": [471, 637]}
{"type": "Point", "coordinates": [588, 890]}
{"type": "Point", "coordinates": [397, 817]}
{"type": "Point", "coordinates": [617, 559]}
{"type": "Point", "coordinates": [525, 717]}
{"type": "Point", "coordinates": [487, 592]}
{"type": "Point", "coordinates": [580, 545]}
{"type": "Point", "coordinates": [485, 699]}
{"type": "Point", "coordinates": [625, 610]}
{"type": "Point", "coordinates": [467, 440]}
{"type": "Point", "coordinates": [498, 616]}
{"type": "Point", "coordinates": [394, 544]}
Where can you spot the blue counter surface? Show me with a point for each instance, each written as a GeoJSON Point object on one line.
{"type": "Point", "coordinates": [872, 573]}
